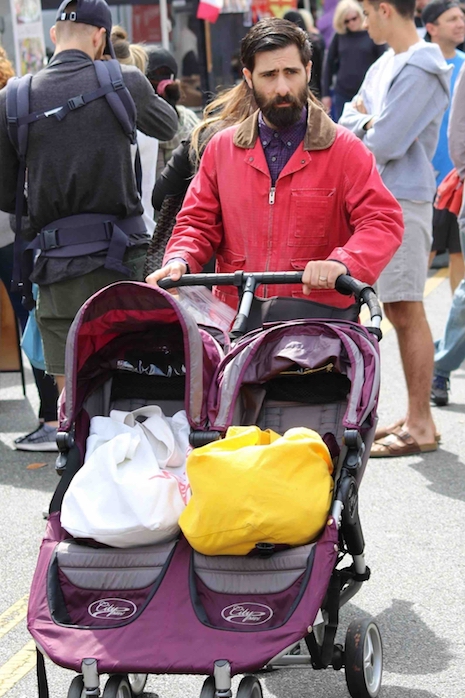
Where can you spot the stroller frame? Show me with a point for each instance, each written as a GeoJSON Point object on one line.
{"type": "Point", "coordinates": [343, 526]}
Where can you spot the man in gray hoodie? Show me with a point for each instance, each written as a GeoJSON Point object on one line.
{"type": "Point", "coordinates": [397, 114]}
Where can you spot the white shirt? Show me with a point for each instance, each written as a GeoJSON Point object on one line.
{"type": "Point", "coordinates": [380, 76]}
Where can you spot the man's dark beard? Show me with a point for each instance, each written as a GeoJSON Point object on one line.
{"type": "Point", "coordinates": [282, 116]}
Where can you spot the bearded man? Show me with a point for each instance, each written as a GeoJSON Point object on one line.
{"type": "Point", "coordinates": [287, 189]}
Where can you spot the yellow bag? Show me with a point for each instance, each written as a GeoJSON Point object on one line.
{"type": "Point", "coordinates": [257, 487]}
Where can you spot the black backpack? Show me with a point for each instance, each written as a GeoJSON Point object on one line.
{"type": "Point", "coordinates": [19, 118]}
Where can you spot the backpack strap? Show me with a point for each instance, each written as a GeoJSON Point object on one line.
{"type": "Point", "coordinates": [119, 98]}
{"type": "Point", "coordinates": [17, 107]}
{"type": "Point", "coordinates": [122, 105]}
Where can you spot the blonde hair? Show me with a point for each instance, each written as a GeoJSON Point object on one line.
{"type": "Point", "coordinates": [342, 8]}
{"type": "Point", "coordinates": [139, 57]}
{"type": "Point", "coordinates": [230, 107]}
{"type": "Point", "coordinates": [126, 53]}
{"type": "Point", "coordinates": [308, 19]}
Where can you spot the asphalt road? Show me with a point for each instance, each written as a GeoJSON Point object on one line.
{"type": "Point", "coordinates": [413, 513]}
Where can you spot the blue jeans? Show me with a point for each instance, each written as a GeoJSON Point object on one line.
{"type": "Point", "coordinates": [450, 350]}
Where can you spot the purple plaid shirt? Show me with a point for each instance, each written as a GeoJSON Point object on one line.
{"type": "Point", "coordinates": [279, 145]}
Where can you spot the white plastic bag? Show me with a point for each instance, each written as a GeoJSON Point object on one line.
{"type": "Point", "coordinates": [132, 487]}
{"type": "Point", "coordinates": [205, 307]}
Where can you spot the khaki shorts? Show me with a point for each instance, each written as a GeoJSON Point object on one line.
{"type": "Point", "coordinates": [404, 277]}
{"type": "Point", "coordinates": [58, 304]}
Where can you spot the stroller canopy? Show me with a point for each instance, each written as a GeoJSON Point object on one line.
{"type": "Point", "coordinates": [132, 314]}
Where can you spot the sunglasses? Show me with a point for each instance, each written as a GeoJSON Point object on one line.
{"type": "Point", "coordinates": [350, 19]}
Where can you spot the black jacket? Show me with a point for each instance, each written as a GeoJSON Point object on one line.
{"type": "Point", "coordinates": [176, 175]}
{"type": "Point", "coordinates": [84, 163]}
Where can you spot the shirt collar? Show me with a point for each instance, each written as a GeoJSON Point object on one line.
{"type": "Point", "coordinates": [290, 135]}
{"type": "Point", "coordinates": [68, 56]}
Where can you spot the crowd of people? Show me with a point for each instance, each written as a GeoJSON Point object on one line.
{"type": "Point", "coordinates": [326, 157]}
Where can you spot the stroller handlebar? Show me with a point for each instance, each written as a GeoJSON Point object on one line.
{"type": "Point", "coordinates": [248, 282]}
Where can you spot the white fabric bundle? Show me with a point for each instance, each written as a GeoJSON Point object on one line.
{"type": "Point", "coordinates": [132, 487]}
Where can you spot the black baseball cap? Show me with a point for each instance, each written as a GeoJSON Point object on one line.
{"type": "Point", "coordinates": [159, 58]}
{"type": "Point", "coordinates": [93, 12]}
{"type": "Point", "coordinates": [436, 8]}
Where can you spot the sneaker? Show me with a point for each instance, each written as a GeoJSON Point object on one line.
{"type": "Point", "coordinates": [440, 390]}
{"type": "Point", "coordinates": [44, 438]}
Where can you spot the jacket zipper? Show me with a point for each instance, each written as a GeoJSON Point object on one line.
{"type": "Point", "coordinates": [271, 200]}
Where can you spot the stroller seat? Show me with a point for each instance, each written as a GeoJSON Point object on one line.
{"type": "Point", "coordinates": [112, 568]}
{"type": "Point", "coordinates": [250, 593]}
{"type": "Point", "coordinates": [231, 574]}
{"type": "Point", "coordinates": [103, 587]}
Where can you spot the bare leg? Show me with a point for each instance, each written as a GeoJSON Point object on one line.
{"type": "Point", "coordinates": [456, 270]}
{"type": "Point", "coordinates": [60, 381]}
{"type": "Point", "coordinates": [432, 255]}
{"type": "Point", "coordinates": [417, 354]}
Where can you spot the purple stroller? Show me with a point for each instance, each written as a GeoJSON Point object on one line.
{"type": "Point", "coordinates": [220, 615]}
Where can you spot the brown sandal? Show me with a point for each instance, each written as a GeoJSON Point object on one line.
{"type": "Point", "coordinates": [382, 432]}
{"type": "Point", "coordinates": [400, 443]}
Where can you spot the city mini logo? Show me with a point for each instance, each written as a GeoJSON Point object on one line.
{"type": "Point", "coordinates": [112, 609]}
{"type": "Point", "coordinates": [247, 613]}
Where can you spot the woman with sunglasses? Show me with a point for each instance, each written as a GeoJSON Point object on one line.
{"type": "Point", "coordinates": [350, 54]}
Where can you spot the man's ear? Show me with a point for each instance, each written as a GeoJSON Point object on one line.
{"type": "Point", "coordinates": [248, 77]}
{"type": "Point", "coordinates": [308, 70]}
{"type": "Point", "coordinates": [431, 28]}
{"type": "Point", "coordinates": [97, 36]}
{"type": "Point", "coordinates": [53, 34]}
{"type": "Point", "coordinates": [385, 9]}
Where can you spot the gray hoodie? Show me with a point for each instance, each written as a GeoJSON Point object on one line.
{"type": "Point", "coordinates": [457, 126]}
{"type": "Point", "coordinates": [406, 128]}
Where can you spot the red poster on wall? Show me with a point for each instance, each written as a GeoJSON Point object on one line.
{"type": "Point", "coordinates": [271, 8]}
{"type": "Point", "coordinates": [146, 24]}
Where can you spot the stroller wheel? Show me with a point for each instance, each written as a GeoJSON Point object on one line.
{"type": "Point", "coordinates": [137, 683]}
{"type": "Point", "coordinates": [249, 687]}
{"type": "Point", "coordinates": [117, 686]}
{"type": "Point", "coordinates": [76, 687]}
{"type": "Point", "coordinates": [208, 688]}
{"type": "Point", "coordinates": [363, 659]}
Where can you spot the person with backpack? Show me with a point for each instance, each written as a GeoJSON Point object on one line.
{"type": "Point", "coordinates": [70, 129]}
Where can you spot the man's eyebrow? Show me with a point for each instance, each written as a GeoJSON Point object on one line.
{"type": "Point", "coordinates": [272, 71]}
{"type": "Point", "coordinates": [268, 72]}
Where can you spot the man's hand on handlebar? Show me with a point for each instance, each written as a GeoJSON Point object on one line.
{"type": "Point", "coordinates": [174, 270]}
{"type": "Point", "coordinates": [321, 274]}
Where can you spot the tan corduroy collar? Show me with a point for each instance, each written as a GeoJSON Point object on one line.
{"type": "Point", "coordinates": [320, 133]}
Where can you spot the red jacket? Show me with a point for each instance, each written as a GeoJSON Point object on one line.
{"type": "Point", "coordinates": [328, 203]}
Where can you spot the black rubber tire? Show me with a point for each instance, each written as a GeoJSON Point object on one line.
{"type": "Point", "coordinates": [137, 683]}
{"type": "Point", "coordinates": [208, 688]}
{"type": "Point", "coordinates": [76, 687]}
{"type": "Point", "coordinates": [249, 687]}
{"type": "Point", "coordinates": [363, 659]}
{"type": "Point", "coordinates": [117, 686]}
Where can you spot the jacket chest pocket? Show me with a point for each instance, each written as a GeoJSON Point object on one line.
{"type": "Point", "coordinates": [309, 216]}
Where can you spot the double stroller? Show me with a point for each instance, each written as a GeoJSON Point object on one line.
{"type": "Point", "coordinates": [164, 608]}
